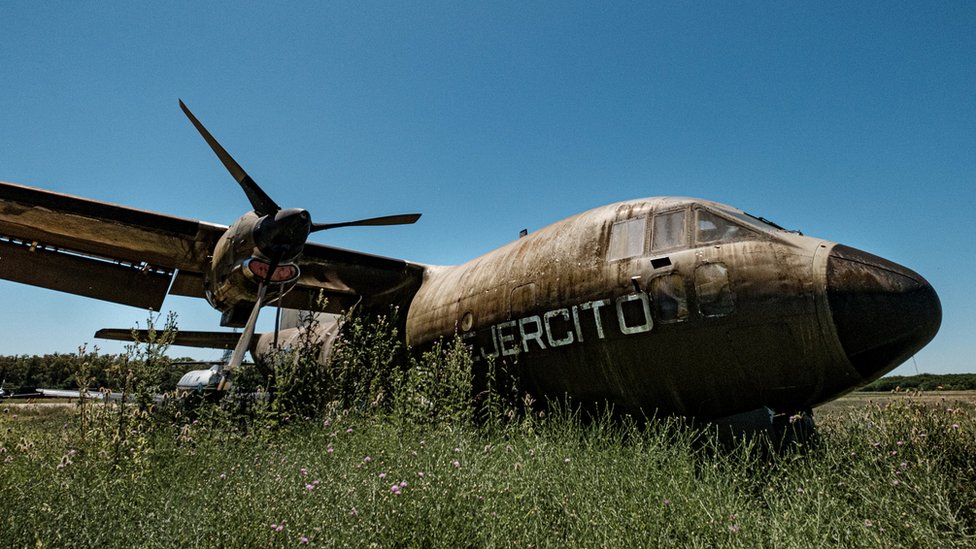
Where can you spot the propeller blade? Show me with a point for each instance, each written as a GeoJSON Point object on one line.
{"type": "Point", "coordinates": [260, 201]}
{"type": "Point", "coordinates": [402, 219]}
{"type": "Point", "coordinates": [245, 341]}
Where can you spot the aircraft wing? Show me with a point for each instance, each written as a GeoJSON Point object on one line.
{"type": "Point", "coordinates": [76, 393]}
{"type": "Point", "coordinates": [136, 257]}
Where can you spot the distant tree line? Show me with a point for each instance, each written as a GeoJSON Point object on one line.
{"type": "Point", "coordinates": [925, 382]}
{"type": "Point", "coordinates": [57, 371]}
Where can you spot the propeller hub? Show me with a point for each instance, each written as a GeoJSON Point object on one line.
{"type": "Point", "coordinates": [281, 237]}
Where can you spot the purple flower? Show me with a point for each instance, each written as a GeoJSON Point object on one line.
{"type": "Point", "coordinates": [734, 528]}
{"type": "Point", "coordinates": [955, 425]}
{"type": "Point", "coordinates": [349, 430]}
{"type": "Point", "coordinates": [329, 450]}
{"type": "Point", "coordinates": [420, 474]}
{"type": "Point", "coordinates": [382, 476]}
{"type": "Point", "coordinates": [395, 489]}
{"type": "Point", "coordinates": [280, 528]}
{"type": "Point", "coordinates": [304, 472]}
{"type": "Point", "coordinates": [403, 484]}
{"type": "Point", "coordinates": [303, 540]}
{"type": "Point", "coordinates": [666, 502]}
{"type": "Point", "coordinates": [367, 459]}
{"type": "Point", "coordinates": [456, 464]}
{"type": "Point", "coordinates": [309, 487]}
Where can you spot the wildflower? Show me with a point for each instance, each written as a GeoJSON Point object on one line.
{"type": "Point", "coordinates": [280, 528]}
{"type": "Point", "coordinates": [382, 476]}
{"type": "Point", "coordinates": [274, 526]}
{"type": "Point", "coordinates": [666, 502]}
{"type": "Point", "coordinates": [354, 512]}
{"type": "Point", "coordinates": [456, 464]}
{"type": "Point", "coordinates": [303, 540]}
{"type": "Point", "coordinates": [734, 528]}
{"type": "Point", "coordinates": [895, 482]}
{"type": "Point", "coordinates": [403, 484]}
{"type": "Point", "coordinates": [567, 460]}
{"type": "Point", "coordinates": [309, 487]}
{"type": "Point", "coordinates": [900, 443]}
{"type": "Point", "coordinates": [316, 482]}
{"type": "Point", "coordinates": [222, 476]}
{"type": "Point", "coordinates": [395, 489]}
{"type": "Point", "coordinates": [304, 472]}
{"type": "Point", "coordinates": [903, 466]}
{"type": "Point", "coordinates": [349, 430]}
{"type": "Point", "coordinates": [955, 425]}
{"type": "Point", "coordinates": [329, 450]}
{"type": "Point", "coordinates": [367, 459]}
{"type": "Point", "coordinates": [420, 474]}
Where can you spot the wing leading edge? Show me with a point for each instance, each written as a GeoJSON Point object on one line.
{"type": "Point", "coordinates": [136, 257]}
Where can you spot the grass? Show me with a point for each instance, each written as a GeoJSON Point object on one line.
{"type": "Point", "coordinates": [897, 473]}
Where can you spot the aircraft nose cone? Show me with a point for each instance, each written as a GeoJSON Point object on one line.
{"type": "Point", "coordinates": [883, 312]}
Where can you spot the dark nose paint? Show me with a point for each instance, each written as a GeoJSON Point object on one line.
{"type": "Point", "coordinates": [882, 311]}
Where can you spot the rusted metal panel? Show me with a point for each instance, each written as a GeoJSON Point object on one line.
{"type": "Point", "coordinates": [103, 229]}
{"type": "Point", "coordinates": [55, 270]}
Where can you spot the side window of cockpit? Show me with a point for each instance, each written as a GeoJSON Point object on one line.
{"type": "Point", "coordinates": [627, 238]}
{"type": "Point", "coordinates": [714, 292]}
{"type": "Point", "coordinates": [669, 230]}
{"type": "Point", "coordinates": [712, 228]}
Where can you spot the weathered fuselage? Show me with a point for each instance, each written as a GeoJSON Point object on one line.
{"type": "Point", "coordinates": [683, 306]}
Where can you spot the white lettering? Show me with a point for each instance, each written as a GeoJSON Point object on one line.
{"type": "Point", "coordinates": [576, 324]}
{"type": "Point", "coordinates": [595, 305]}
{"type": "Point", "coordinates": [509, 338]}
{"type": "Point", "coordinates": [646, 305]}
{"type": "Point", "coordinates": [536, 335]}
{"type": "Point", "coordinates": [548, 327]}
{"type": "Point", "coordinates": [494, 342]}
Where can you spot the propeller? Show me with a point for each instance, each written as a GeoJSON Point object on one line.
{"type": "Point", "coordinates": [279, 236]}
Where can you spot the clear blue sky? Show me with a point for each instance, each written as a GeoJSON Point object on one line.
{"type": "Point", "coordinates": [852, 121]}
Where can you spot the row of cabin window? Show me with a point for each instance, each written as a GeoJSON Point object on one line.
{"type": "Point", "coordinates": [627, 237]}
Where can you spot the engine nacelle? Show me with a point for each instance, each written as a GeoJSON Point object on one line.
{"type": "Point", "coordinates": [237, 268]}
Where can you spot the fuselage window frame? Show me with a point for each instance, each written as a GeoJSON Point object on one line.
{"type": "Point", "coordinates": [628, 239]}
{"type": "Point", "coordinates": [722, 229]}
{"type": "Point", "coordinates": [666, 236]}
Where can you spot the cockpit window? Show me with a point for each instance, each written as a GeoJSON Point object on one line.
{"type": "Point", "coordinates": [669, 230]}
{"type": "Point", "coordinates": [627, 238]}
{"type": "Point", "coordinates": [713, 228]}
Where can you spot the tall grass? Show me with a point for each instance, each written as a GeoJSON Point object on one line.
{"type": "Point", "coordinates": [431, 470]}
